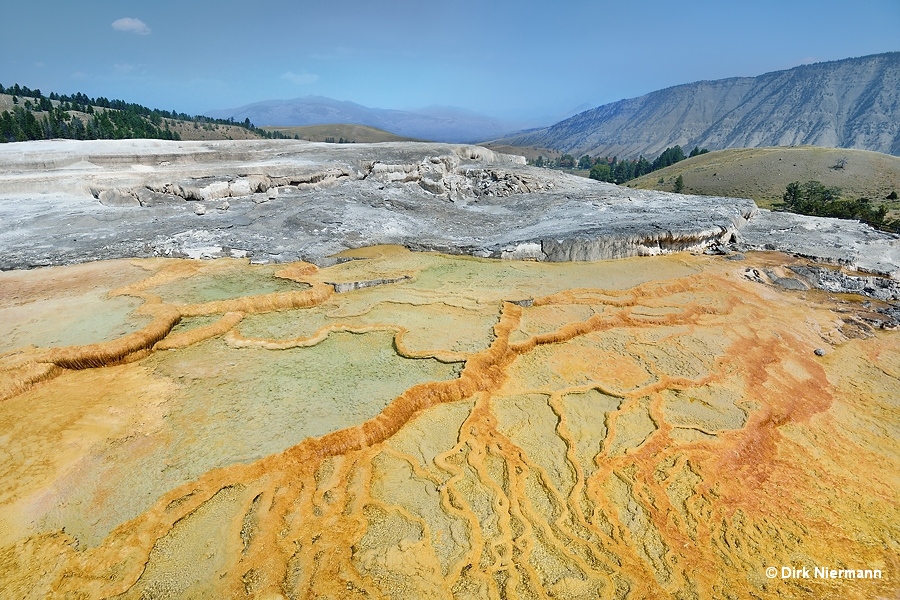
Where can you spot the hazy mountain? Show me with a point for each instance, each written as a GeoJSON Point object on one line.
{"type": "Point", "coordinates": [437, 123]}
{"type": "Point", "coordinates": [851, 103]}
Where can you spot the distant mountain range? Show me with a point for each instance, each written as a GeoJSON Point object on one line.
{"type": "Point", "coordinates": [851, 103]}
{"type": "Point", "coordinates": [437, 123]}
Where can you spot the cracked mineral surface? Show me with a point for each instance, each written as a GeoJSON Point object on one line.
{"type": "Point", "coordinates": [388, 423]}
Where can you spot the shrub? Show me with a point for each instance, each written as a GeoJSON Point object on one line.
{"type": "Point", "coordinates": [813, 198]}
{"type": "Point", "coordinates": [601, 172]}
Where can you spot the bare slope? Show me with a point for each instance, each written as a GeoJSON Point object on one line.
{"type": "Point", "coordinates": [851, 103]}
{"type": "Point", "coordinates": [763, 173]}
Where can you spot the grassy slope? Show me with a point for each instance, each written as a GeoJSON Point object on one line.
{"type": "Point", "coordinates": [763, 173]}
{"type": "Point", "coordinates": [211, 131]}
{"type": "Point", "coordinates": [360, 134]}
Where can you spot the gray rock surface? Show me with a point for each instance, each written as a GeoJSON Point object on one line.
{"type": "Point", "coordinates": [289, 200]}
{"type": "Point", "coordinates": [118, 198]}
{"type": "Point", "coordinates": [284, 200]}
{"type": "Point", "coordinates": [836, 241]}
{"type": "Point", "coordinates": [832, 280]}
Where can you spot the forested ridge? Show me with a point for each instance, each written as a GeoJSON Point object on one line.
{"type": "Point", "coordinates": [36, 116]}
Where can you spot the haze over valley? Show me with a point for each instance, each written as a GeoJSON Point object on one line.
{"type": "Point", "coordinates": [441, 124]}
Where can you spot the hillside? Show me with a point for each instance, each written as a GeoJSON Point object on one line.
{"type": "Point", "coordinates": [199, 131]}
{"type": "Point", "coordinates": [441, 124]}
{"type": "Point", "coordinates": [851, 103]}
{"type": "Point", "coordinates": [360, 134]}
{"type": "Point", "coordinates": [30, 115]}
{"type": "Point", "coordinates": [763, 173]}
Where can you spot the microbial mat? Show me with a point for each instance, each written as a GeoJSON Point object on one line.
{"type": "Point", "coordinates": [657, 427]}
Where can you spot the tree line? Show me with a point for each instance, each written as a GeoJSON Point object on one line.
{"type": "Point", "coordinates": [82, 103]}
{"type": "Point", "coordinates": [117, 120]}
{"type": "Point", "coordinates": [22, 125]}
{"type": "Point", "coordinates": [613, 170]}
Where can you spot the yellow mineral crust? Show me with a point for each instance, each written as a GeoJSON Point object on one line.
{"type": "Point", "coordinates": [644, 428]}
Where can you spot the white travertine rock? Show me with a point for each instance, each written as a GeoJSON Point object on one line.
{"type": "Point", "coordinates": [240, 187]}
{"type": "Point", "coordinates": [217, 189]}
{"type": "Point", "coordinates": [289, 200]}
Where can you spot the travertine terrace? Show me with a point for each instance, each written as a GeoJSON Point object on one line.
{"type": "Point", "coordinates": [68, 202]}
{"type": "Point", "coordinates": [391, 423]}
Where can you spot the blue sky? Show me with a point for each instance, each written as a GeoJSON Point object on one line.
{"type": "Point", "coordinates": [503, 58]}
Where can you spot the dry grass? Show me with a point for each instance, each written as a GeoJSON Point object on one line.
{"type": "Point", "coordinates": [210, 131]}
{"type": "Point", "coordinates": [763, 173]}
{"type": "Point", "coordinates": [6, 102]}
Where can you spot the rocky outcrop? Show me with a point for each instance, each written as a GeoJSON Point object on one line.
{"type": "Point", "coordinates": [860, 317]}
{"type": "Point", "coordinates": [117, 197]}
{"type": "Point", "coordinates": [439, 175]}
{"type": "Point", "coordinates": [212, 188]}
{"type": "Point", "coordinates": [442, 176]}
{"type": "Point", "coordinates": [602, 247]}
